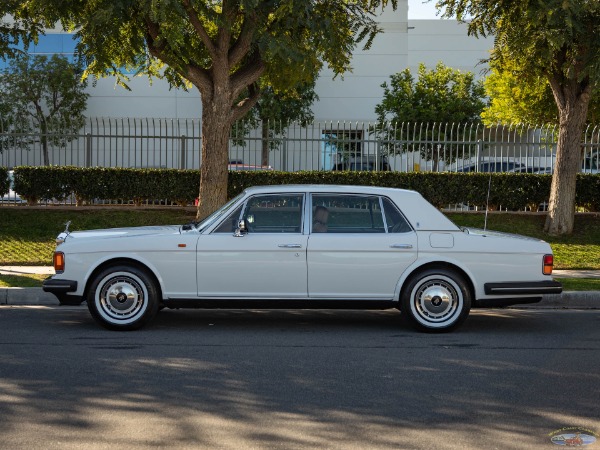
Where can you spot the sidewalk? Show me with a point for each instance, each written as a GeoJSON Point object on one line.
{"type": "Point", "coordinates": [566, 300]}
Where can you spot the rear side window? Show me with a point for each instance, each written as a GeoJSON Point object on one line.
{"type": "Point", "coordinates": [395, 221]}
{"type": "Point", "coordinates": [346, 214]}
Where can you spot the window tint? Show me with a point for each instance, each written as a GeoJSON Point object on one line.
{"type": "Point", "coordinates": [230, 224]}
{"type": "Point", "coordinates": [346, 214]}
{"type": "Point", "coordinates": [274, 213]}
{"type": "Point", "coordinates": [395, 221]}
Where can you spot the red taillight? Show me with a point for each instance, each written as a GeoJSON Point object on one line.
{"type": "Point", "coordinates": [59, 261]}
{"type": "Point", "coordinates": [548, 263]}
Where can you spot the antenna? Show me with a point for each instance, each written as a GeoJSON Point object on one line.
{"type": "Point", "coordinates": [487, 202]}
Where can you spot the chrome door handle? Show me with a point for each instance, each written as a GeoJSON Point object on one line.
{"type": "Point", "coordinates": [289, 246]}
{"type": "Point", "coordinates": [402, 246]}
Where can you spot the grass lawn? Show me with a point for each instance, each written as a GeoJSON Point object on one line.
{"type": "Point", "coordinates": [27, 233]}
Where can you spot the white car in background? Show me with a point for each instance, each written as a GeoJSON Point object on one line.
{"type": "Point", "coordinates": [303, 246]}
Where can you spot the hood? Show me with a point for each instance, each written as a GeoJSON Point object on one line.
{"type": "Point", "coordinates": [120, 232]}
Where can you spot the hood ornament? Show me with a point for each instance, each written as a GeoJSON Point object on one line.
{"type": "Point", "coordinates": [67, 226]}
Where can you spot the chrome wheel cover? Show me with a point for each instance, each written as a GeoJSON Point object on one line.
{"type": "Point", "coordinates": [121, 298]}
{"type": "Point", "coordinates": [436, 301]}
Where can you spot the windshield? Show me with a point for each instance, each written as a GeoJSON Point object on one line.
{"type": "Point", "coordinates": [218, 213]}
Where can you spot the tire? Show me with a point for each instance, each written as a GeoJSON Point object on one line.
{"type": "Point", "coordinates": [123, 298]}
{"type": "Point", "coordinates": [436, 300]}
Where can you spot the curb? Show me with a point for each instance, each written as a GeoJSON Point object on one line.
{"type": "Point", "coordinates": [566, 300]}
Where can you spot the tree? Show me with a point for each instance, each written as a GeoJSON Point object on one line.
{"type": "Point", "coordinates": [43, 97]}
{"type": "Point", "coordinates": [223, 48]}
{"type": "Point", "coordinates": [517, 96]}
{"type": "Point", "coordinates": [16, 28]}
{"type": "Point", "coordinates": [559, 40]}
{"type": "Point", "coordinates": [275, 111]}
{"type": "Point", "coordinates": [440, 95]}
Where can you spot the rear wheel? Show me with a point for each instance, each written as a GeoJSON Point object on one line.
{"type": "Point", "coordinates": [123, 298]}
{"type": "Point", "coordinates": [436, 300]}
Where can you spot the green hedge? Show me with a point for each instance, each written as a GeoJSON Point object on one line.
{"type": "Point", "coordinates": [512, 191]}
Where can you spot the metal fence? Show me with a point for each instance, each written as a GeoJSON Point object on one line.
{"type": "Point", "coordinates": [176, 143]}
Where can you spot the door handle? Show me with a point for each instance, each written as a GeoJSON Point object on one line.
{"type": "Point", "coordinates": [402, 246]}
{"type": "Point", "coordinates": [289, 246]}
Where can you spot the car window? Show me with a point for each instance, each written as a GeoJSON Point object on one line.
{"type": "Point", "coordinates": [231, 222]}
{"type": "Point", "coordinates": [274, 213]}
{"type": "Point", "coordinates": [346, 214]}
{"type": "Point", "coordinates": [394, 220]}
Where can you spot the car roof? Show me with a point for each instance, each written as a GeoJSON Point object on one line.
{"type": "Point", "coordinates": [336, 188]}
{"type": "Point", "coordinates": [421, 214]}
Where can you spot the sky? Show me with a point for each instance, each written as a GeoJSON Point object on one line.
{"type": "Point", "coordinates": [419, 9]}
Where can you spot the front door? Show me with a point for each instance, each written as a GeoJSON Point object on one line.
{"type": "Point", "coordinates": [267, 262]}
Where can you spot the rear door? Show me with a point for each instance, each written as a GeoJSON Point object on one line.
{"type": "Point", "coordinates": [363, 251]}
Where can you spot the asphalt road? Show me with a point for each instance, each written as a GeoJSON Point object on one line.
{"type": "Point", "coordinates": [296, 380]}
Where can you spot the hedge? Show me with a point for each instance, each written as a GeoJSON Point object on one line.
{"type": "Point", "coordinates": [509, 190]}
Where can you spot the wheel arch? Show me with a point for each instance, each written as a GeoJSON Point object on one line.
{"type": "Point", "coordinates": [435, 265]}
{"type": "Point", "coordinates": [122, 261]}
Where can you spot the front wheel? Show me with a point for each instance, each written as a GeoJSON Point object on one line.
{"type": "Point", "coordinates": [123, 298]}
{"type": "Point", "coordinates": [436, 300]}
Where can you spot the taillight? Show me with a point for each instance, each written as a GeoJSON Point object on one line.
{"type": "Point", "coordinates": [548, 263]}
{"type": "Point", "coordinates": [59, 261]}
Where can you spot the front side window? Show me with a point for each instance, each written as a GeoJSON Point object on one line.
{"type": "Point", "coordinates": [279, 213]}
{"type": "Point", "coordinates": [346, 214]}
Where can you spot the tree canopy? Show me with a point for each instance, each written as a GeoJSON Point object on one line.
{"type": "Point", "coordinates": [441, 95]}
{"type": "Point", "coordinates": [558, 40]}
{"type": "Point", "coordinates": [517, 96]}
{"type": "Point", "coordinates": [45, 97]}
{"type": "Point", "coordinates": [223, 48]}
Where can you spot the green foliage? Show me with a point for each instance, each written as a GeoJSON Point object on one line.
{"type": "Point", "coordinates": [223, 48]}
{"type": "Point", "coordinates": [42, 95]}
{"type": "Point", "coordinates": [16, 27]}
{"type": "Point", "coordinates": [517, 96]}
{"type": "Point", "coordinates": [512, 191]}
{"type": "Point", "coordinates": [440, 95]}
{"type": "Point", "coordinates": [560, 41]}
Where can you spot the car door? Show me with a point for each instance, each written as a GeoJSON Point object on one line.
{"type": "Point", "coordinates": [362, 252]}
{"type": "Point", "coordinates": [266, 262]}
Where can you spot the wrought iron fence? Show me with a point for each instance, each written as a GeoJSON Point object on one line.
{"type": "Point", "coordinates": [176, 143]}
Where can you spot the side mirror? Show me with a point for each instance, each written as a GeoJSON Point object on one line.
{"type": "Point", "coordinates": [242, 229]}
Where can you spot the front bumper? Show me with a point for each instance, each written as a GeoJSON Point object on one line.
{"type": "Point", "coordinates": [55, 286]}
{"type": "Point", "coordinates": [61, 289]}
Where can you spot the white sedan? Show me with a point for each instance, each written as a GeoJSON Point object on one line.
{"type": "Point", "coordinates": [303, 246]}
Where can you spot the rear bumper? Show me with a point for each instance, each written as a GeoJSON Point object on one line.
{"type": "Point", "coordinates": [523, 288]}
{"type": "Point", "coordinates": [505, 292]}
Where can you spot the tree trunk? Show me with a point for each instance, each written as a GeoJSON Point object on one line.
{"type": "Point", "coordinates": [216, 125]}
{"type": "Point", "coordinates": [572, 109]}
{"type": "Point", "coordinates": [265, 143]}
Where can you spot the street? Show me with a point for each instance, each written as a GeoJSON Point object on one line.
{"type": "Point", "coordinates": [256, 379]}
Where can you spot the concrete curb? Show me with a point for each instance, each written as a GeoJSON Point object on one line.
{"type": "Point", "coordinates": [566, 300]}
